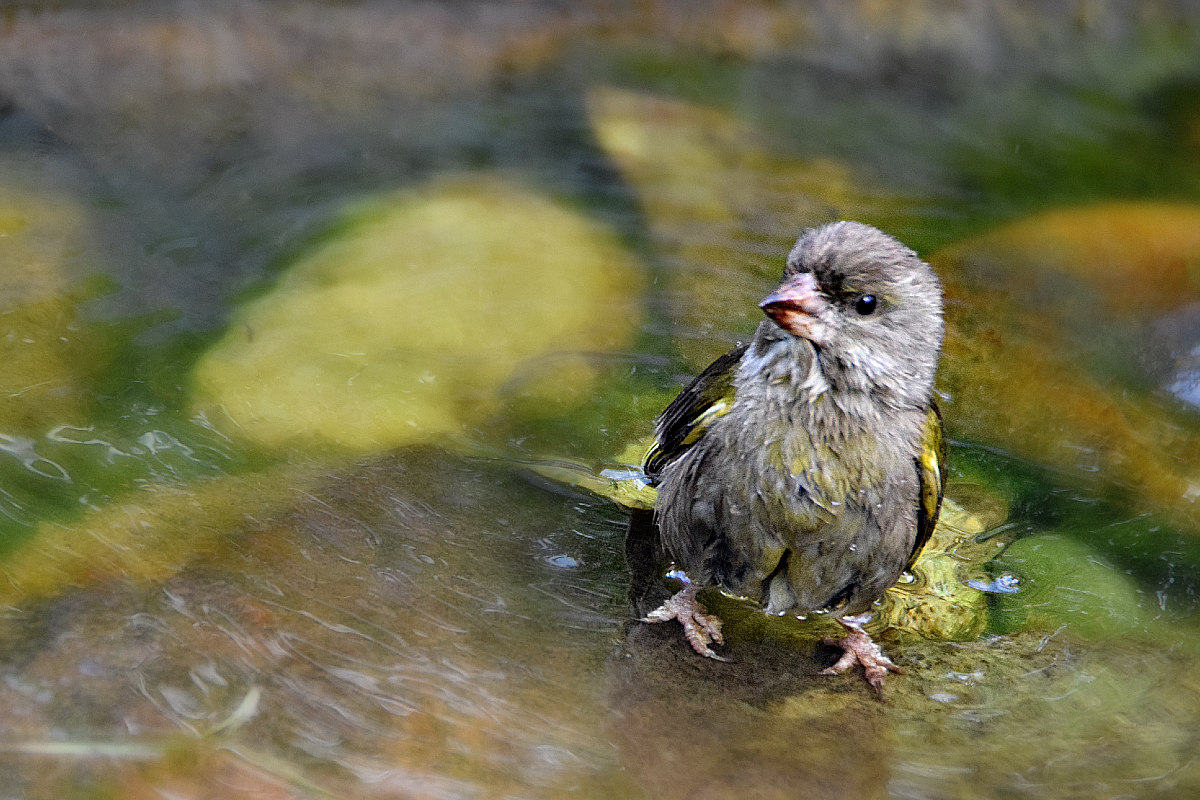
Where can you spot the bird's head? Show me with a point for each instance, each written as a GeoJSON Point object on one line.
{"type": "Point", "coordinates": [868, 305]}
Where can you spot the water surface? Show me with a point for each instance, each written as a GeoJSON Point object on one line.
{"type": "Point", "coordinates": [292, 299]}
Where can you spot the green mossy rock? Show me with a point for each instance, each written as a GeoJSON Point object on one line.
{"type": "Point", "coordinates": [1066, 583]}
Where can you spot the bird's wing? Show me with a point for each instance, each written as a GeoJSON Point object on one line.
{"type": "Point", "coordinates": [689, 415]}
{"type": "Point", "coordinates": [931, 471]}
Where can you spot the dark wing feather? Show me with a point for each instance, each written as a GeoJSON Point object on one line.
{"type": "Point", "coordinates": [685, 420]}
{"type": "Point", "coordinates": [931, 471]}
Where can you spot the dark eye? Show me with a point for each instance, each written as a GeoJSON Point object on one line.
{"type": "Point", "coordinates": [866, 305]}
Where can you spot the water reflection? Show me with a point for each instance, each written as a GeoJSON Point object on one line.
{"type": "Point", "coordinates": [247, 253]}
{"type": "Point", "coordinates": [362, 654]}
{"type": "Point", "coordinates": [23, 450]}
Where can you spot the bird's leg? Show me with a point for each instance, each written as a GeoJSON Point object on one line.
{"type": "Point", "coordinates": [700, 627]}
{"type": "Point", "coordinates": [858, 648]}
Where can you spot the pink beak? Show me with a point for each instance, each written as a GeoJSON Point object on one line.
{"type": "Point", "coordinates": [796, 305]}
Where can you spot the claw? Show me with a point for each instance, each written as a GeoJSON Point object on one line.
{"type": "Point", "coordinates": [858, 648]}
{"type": "Point", "coordinates": [700, 627]}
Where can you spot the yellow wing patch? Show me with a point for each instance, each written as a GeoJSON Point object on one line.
{"type": "Point", "coordinates": [931, 470]}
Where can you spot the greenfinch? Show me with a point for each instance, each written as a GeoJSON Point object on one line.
{"type": "Point", "coordinates": [805, 469]}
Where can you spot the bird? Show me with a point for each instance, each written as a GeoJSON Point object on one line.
{"type": "Point", "coordinates": [804, 470]}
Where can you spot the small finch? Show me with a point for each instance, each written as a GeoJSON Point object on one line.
{"type": "Point", "coordinates": [805, 470]}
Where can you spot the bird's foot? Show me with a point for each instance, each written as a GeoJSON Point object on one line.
{"type": "Point", "coordinates": [858, 648]}
{"type": "Point", "coordinates": [700, 627]}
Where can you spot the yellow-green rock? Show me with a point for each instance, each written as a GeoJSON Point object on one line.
{"type": "Point", "coordinates": [401, 326]}
{"type": "Point", "coordinates": [49, 357]}
{"type": "Point", "coordinates": [37, 233]}
{"type": "Point", "coordinates": [147, 535]}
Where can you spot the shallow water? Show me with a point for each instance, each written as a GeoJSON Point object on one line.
{"type": "Point", "coordinates": [308, 317]}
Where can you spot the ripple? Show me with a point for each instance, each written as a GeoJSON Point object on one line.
{"type": "Point", "coordinates": [24, 450]}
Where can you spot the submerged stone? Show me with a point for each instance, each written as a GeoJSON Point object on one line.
{"type": "Point", "coordinates": [401, 326]}
{"type": "Point", "coordinates": [50, 357]}
{"type": "Point", "coordinates": [1135, 258]}
{"type": "Point", "coordinates": [146, 536]}
{"type": "Point", "coordinates": [1065, 582]}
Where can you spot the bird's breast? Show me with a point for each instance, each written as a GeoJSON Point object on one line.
{"type": "Point", "coordinates": [814, 524]}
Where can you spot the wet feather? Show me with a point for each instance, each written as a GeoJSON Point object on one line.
{"type": "Point", "coordinates": [805, 469]}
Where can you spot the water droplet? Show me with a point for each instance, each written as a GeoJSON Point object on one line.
{"type": "Point", "coordinates": [966, 678]}
{"type": "Point", "coordinates": [679, 575]}
{"type": "Point", "coordinates": [1005, 583]}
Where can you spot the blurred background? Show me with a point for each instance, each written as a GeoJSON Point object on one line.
{"type": "Point", "coordinates": [303, 304]}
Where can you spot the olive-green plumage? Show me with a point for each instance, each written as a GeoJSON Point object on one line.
{"type": "Point", "coordinates": [805, 469]}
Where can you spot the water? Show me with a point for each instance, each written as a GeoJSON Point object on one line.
{"type": "Point", "coordinates": [299, 307]}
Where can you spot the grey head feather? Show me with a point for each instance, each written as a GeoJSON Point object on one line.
{"type": "Point", "coordinates": [891, 355]}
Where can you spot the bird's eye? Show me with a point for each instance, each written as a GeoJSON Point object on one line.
{"type": "Point", "coordinates": [866, 305]}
